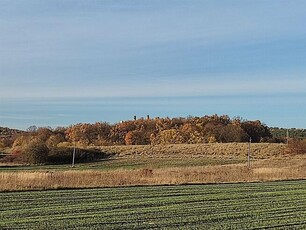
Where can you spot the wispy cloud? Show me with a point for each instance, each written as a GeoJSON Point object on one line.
{"type": "Point", "coordinates": [82, 48]}
{"type": "Point", "coordinates": [183, 85]}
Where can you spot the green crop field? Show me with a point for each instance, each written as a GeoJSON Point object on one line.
{"type": "Point", "coordinates": [275, 205]}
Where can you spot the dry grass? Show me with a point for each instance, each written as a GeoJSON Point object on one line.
{"type": "Point", "coordinates": [259, 150]}
{"type": "Point", "coordinates": [262, 170]}
{"type": "Point", "coordinates": [276, 166]}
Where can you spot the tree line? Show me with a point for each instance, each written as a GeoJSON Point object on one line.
{"type": "Point", "coordinates": [292, 133]}
{"type": "Point", "coordinates": [190, 130]}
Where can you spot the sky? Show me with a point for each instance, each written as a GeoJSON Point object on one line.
{"type": "Point", "coordinates": [70, 61]}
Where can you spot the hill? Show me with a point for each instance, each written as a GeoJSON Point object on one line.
{"type": "Point", "coordinates": [6, 132]}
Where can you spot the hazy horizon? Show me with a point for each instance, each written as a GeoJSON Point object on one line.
{"type": "Point", "coordinates": [53, 112]}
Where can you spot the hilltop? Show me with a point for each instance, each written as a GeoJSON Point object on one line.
{"type": "Point", "coordinates": [5, 131]}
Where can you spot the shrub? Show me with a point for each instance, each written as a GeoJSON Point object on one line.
{"type": "Point", "coordinates": [212, 139]}
{"type": "Point", "coordinates": [296, 146]}
{"type": "Point", "coordinates": [36, 152]}
{"type": "Point", "coordinates": [6, 142]}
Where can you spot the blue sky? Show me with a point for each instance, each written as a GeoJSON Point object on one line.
{"type": "Point", "coordinates": [242, 58]}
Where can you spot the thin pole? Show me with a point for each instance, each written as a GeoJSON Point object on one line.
{"type": "Point", "coordinates": [287, 137]}
{"type": "Point", "coordinates": [73, 155]}
{"type": "Point", "coordinates": [249, 154]}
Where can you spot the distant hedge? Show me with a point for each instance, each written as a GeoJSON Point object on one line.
{"type": "Point", "coordinates": [64, 155]}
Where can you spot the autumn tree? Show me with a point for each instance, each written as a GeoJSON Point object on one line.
{"type": "Point", "coordinates": [171, 136]}
{"type": "Point", "coordinates": [191, 134]}
{"type": "Point", "coordinates": [256, 130]}
{"type": "Point", "coordinates": [35, 152]}
{"type": "Point", "coordinates": [54, 140]}
{"type": "Point", "coordinates": [233, 133]}
{"type": "Point", "coordinates": [129, 138]}
{"type": "Point", "coordinates": [43, 133]}
{"type": "Point", "coordinates": [119, 131]}
{"type": "Point", "coordinates": [102, 131]}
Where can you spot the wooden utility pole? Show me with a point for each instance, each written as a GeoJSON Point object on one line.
{"type": "Point", "coordinates": [287, 137]}
{"type": "Point", "coordinates": [249, 153]}
{"type": "Point", "coordinates": [73, 155]}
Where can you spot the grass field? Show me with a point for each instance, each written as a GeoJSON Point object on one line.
{"type": "Point", "coordinates": [160, 165]}
{"type": "Point", "coordinates": [274, 205]}
{"type": "Point", "coordinates": [259, 150]}
{"type": "Point", "coordinates": [164, 156]}
{"type": "Point", "coordinates": [127, 163]}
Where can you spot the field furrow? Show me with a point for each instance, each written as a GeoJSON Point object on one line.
{"type": "Point", "coordinates": [276, 205]}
